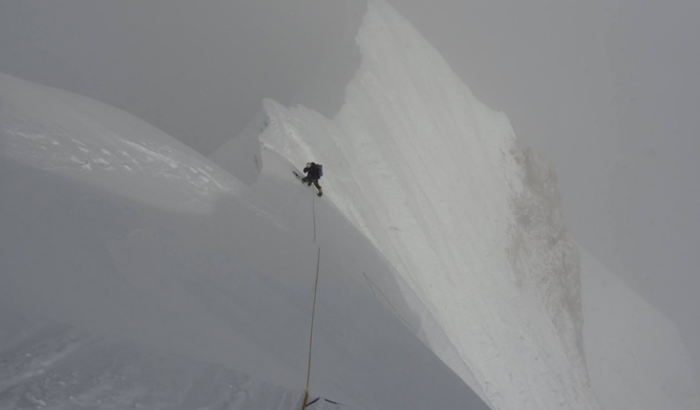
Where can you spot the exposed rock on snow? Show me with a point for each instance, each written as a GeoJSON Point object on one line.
{"type": "Point", "coordinates": [545, 260]}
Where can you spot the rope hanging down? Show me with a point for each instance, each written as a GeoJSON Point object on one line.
{"type": "Point", "coordinates": [313, 212]}
{"type": "Point", "coordinates": [311, 336]}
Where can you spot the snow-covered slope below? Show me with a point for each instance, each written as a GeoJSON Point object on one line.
{"type": "Point", "coordinates": [46, 364]}
{"type": "Point", "coordinates": [636, 357]}
{"type": "Point", "coordinates": [136, 273]}
{"type": "Point", "coordinates": [436, 181]}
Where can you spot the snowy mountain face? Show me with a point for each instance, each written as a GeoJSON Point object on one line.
{"type": "Point", "coordinates": [136, 273]}
{"type": "Point", "coordinates": [471, 223]}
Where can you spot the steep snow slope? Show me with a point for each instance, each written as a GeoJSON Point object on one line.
{"type": "Point", "coordinates": [473, 224]}
{"type": "Point", "coordinates": [136, 273]}
{"type": "Point", "coordinates": [636, 357]}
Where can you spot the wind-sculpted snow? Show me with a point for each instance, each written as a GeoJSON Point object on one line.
{"type": "Point", "coordinates": [39, 128]}
{"type": "Point", "coordinates": [435, 179]}
{"type": "Point", "coordinates": [135, 273]}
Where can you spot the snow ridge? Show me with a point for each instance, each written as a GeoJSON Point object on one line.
{"type": "Point", "coordinates": [436, 181]}
{"type": "Point", "coordinates": [172, 284]}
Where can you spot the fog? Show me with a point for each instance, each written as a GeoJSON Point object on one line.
{"type": "Point", "coordinates": [197, 70]}
{"type": "Point", "coordinates": [605, 89]}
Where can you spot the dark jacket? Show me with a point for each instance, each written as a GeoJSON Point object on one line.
{"type": "Point", "coordinates": [312, 170]}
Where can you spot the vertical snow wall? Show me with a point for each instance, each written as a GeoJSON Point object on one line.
{"type": "Point", "coordinates": [472, 223]}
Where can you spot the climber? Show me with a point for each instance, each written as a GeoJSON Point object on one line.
{"type": "Point", "coordinates": [314, 172]}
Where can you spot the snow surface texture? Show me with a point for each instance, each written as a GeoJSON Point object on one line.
{"type": "Point", "coordinates": [636, 357]}
{"type": "Point", "coordinates": [473, 225]}
{"type": "Point", "coordinates": [135, 273]}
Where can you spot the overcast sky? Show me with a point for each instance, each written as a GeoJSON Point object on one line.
{"type": "Point", "coordinates": [607, 89]}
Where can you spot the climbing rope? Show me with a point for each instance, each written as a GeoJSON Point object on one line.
{"type": "Point", "coordinates": [311, 336]}
{"type": "Point", "coordinates": [313, 212]}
